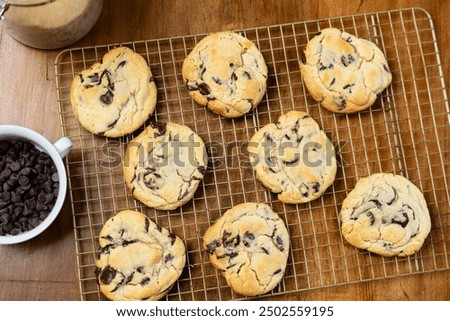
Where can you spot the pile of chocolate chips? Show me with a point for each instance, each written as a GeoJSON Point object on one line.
{"type": "Point", "coordinates": [29, 186]}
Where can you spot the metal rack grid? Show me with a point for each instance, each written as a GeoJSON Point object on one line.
{"type": "Point", "coordinates": [406, 132]}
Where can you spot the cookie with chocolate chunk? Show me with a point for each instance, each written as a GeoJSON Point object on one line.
{"type": "Point", "coordinates": [138, 260]}
{"type": "Point", "coordinates": [164, 165]}
{"type": "Point", "coordinates": [385, 214]}
{"type": "Point", "coordinates": [226, 73]}
{"type": "Point", "coordinates": [116, 96]}
{"type": "Point", "coordinates": [249, 245]}
{"type": "Point", "coordinates": [343, 72]}
{"type": "Point", "coordinates": [293, 158]}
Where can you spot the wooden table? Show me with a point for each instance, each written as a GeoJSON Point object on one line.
{"type": "Point", "coordinates": [45, 268]}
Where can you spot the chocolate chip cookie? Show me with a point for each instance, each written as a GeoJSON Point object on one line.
{"type": "Point", "coordinates": [139, 260]}
{"type": "Point", "coordinates": [342, 72]}
{"type": "Point", "coordinates": [116, 96]}
{"type": "Point", "coordinates": [293, 158]}
{"type": "Point", "coordinates": [249, 245]}
{"type": "Point", "coordinates": [164, 165]}
{"type": "Point", "coordinates": [226, 73]}
{"type": "Point", "coordinates": [385, 214]}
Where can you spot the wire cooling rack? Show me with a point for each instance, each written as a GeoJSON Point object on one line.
{"type": "Point", "coordinates": [406, 132]}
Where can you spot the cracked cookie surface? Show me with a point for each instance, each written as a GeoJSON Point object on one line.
{"type": "Point", "coordinates": [342, 72]}
{"type": "Point", "coordinates": [116, 96]}
{"type": "Point", "coordinates": [226, 73]}
{"type": "Point", "coordinates": [385, 214]}
{"type": "Point", "coordinates": [139, 260]}
{"type": "Point", "coordinates": [164, 165]}
{"type": "Point", "coordinates": [293, 158]}
{"type": "Point", "coordinates": [249, 245]}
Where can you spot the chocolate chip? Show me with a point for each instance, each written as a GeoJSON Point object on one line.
{"type": "Point", "coordinates": [217, 80]}
{"type": "Point", "coordinates": [201, 169]}
{"type": "Point", "coordinates": [304, 190]}
{"type": "Point", "coordinates": [247, 238]}
{"type": "Point", "coordinates": [204, 89]}
{"type": "Point", "coordinates": [403, 221]}
{"type": "Point", "coordinates": [3, 203]}
{"type": "Point", "coordinates": [342, 105]}
{"type": "Point", "coordinates": [315, 186]}
{"type": "Point", "coordinates": [160, 127]}
{"type": "Point", "coordinates": [108, 78]}
{"type": "Point", "coordinates": [107, 98]}
{"type": "Point", "coordinates": [24, 180]}
{"type": "Point", "coordinates": [268, 137]}
{"type": "Point", "coordinates": [349, 87]}
{"type": "Point", "coordinates": [211, 247]}
{"type": "Point", "coordinates": [107, 275]}
{"type": "Point", "coordinates": [394, 198]}
{"type": "Point", "coordinates": [128, 242]}
{"type": "Point", "coordinates": [303, 58]}
{"type": "Point", "coordinates": [145, 281]}
{"type": "Point", "coordinates": [94, 77]}
{"type": "Point", "coordinates": [112, 124]}
{"type": "Point", "coordinates": [370, 215]}
{"type": "Point", "coordinates": [15, 166]}
{"type": "Point", "coordinates": [173, 238]}
{"type": "Point", "coordinates": [347, 60]}
{"type": "Point", "coordinates": [376, 202]}
{"type": "Point", "coordinates": [279, 243]}
{"type": "Point", "coordinates": [291, 162]}
{"type": "Point", "coordinates": [225, 236]}
{"type": "Point", "coordinates": [168, 257]}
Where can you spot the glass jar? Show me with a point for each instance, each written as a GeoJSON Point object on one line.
{"type": "Point", "coordinates": [49, 24]}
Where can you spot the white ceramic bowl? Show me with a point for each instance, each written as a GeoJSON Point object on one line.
{"type": "Point", "coordinates": [57, 152]}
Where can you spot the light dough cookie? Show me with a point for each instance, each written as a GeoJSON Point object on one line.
{"type": "Point", "coordinates": [342, 72]}
{"type": "Point", "coordinates": [164, 165]}
{"type": "Point", "coordinates": [116, 96]}
{"type": "Point", "coordinates": [385, 214]}
{"type": "Point", "coordinates": [249, 245]}
{"type": "Point", "coordinates": [226, 73]}
{"type": "Point", "coordinates": [139, 260]}
{"type": "Point", "coordinates": [293, 158]}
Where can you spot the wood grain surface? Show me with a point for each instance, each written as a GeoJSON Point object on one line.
{"type": "Point", "coordinates": [45, 268]}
